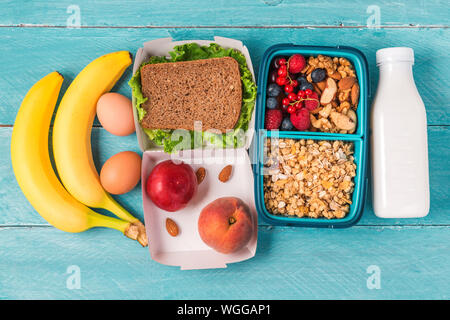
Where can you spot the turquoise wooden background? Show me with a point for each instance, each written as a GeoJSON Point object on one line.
{"type": "Point", "coordinates": [413, 255]}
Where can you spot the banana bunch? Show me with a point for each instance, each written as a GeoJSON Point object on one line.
{"type": "Point", "coordinates": [67, 207]}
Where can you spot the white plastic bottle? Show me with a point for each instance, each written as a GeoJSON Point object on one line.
{"type": "Point", "coordinates": [399, 140]}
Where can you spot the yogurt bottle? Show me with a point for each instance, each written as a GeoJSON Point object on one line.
{"type": "Point", "coordinates": [400, 182]}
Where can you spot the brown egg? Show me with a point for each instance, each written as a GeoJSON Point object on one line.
{"type": "Point", "coordinates": [115, 113]}
{"type": "Point", "coordinates": [121, 173]}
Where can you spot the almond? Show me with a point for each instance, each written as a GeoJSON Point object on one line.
{"type": "Point", "coordinates": [201, 173]}
{"type": "Point", "coordinates": [346, 83]}
{"type": "Point", "coordinates": [329, 92]}
{"type": "Point", "coordinates": [316, 110]}
{"type": "Point", "coordinates": [335, 75]}
{"type": "Point", "coordinates": [171, 227]}
{"type": "Point", "coordinates": [355, 94]}
{"type": "Point", "coordinates": [225, 174]}
{"type": "Point", "coordinates": [322, 85]}
{"type": "Point", "coordinates": [317, 89]}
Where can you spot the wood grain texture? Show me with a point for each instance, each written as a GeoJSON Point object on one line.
{"type": "Point", "coordinates": [290, 263]}
{"type": "Point", "coordinates": [17, 211]}
{"type": "Point", "coordinates": [224, 13]}
{"type": "Point", "coordinates": [30, 53]}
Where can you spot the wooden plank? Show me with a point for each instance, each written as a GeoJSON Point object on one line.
{"type": "Point", "coordinates": [17, 211]}
{"type": "Point", "coordinates": [224, 13]}
{"type": "Point", "coordinates": [290, 263]}
{"type": "Point", "coordinates": [30, 53]}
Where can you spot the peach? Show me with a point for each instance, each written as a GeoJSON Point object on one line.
{"type": "Point", "coordinates": [226, 224]}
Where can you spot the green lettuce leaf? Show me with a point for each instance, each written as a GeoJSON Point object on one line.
{"type": "Point", "coordinates": [170, 139]}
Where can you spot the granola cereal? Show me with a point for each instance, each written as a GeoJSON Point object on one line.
{"type": "Point", "coordinates": [308, 178]}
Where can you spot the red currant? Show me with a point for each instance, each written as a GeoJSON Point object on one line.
{"type": "Point", "coordinates": [291, 109]}
{"type": "Point", "coordinates": [285, 101]}
{"type": "Point", "coordinates": [308, 92]}
{"type": "Point", "coordinates": [292, 96]}
{"type": "Point", "coordinates": [282, 61]}
{"type": "Point", "coordinates": [302, 94]}
{"type": "Point", "coordinates": [282, 72]}
{"type": "Point", "coordinates": [288, 88]}
{"type": "Point", "coordinates": [294, 83]}
{"type": "Point", "coordinates": [298, 105]}
{"type": "Point", "coordinates": [281, 81]}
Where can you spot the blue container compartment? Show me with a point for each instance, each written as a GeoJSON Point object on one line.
{"type": "Point", "coordinates": [355, 56]}
{"type": "Point", "coordinates": [358, 195]}
{"type": "Point", "coordinates": [359, 138]}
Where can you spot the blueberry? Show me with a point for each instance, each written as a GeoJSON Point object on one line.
{"type": "Point", "coordinates": [273, 76]}
{"type": "Point", "coordinates": [275, 64]}
{"type": "Point", "coordinates": [318, 75]}
{"type": "Point", "coordinates": [286, 124]}
{"type": "Point", "coordinates": [273, 90]}
{"type": "Point", "coordinates": [301, 79]}
{"type": "Point", "coordinates": [306, 85]}
{"type": "Point", "coordinates": [271, 103]}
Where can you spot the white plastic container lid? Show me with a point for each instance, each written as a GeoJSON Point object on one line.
{"type": "Point", "coordinates": [397, 54]}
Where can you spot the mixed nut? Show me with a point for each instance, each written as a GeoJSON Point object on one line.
{"type": "Point", "coordinates": [308, 178]}
{"type": "Point", "coordinates": [318, 94]}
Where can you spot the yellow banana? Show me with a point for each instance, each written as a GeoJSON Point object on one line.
{"type": "Point", "coordinates": [72, 132]}
{"type": "Point", "coordinates": [34, 173]}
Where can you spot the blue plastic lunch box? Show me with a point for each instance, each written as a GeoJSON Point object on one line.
{"type": "Point", "coordinates": [360, 138]}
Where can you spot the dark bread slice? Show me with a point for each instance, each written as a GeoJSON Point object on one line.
{"type": "Point", "coordinates": [179, 93]}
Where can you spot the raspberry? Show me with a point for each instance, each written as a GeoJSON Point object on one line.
{"type": "Point", "coordinates": [300, 119]}
{"type": "Point", "coordinates": [296, 63]}
{"type": "Point", "coordinates": [312, 104]}
{"type": "Point", "coordinates": [273, 119]}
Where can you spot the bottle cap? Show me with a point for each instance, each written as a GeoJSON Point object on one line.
{"type": "Point", "coordinates": [395, 54]}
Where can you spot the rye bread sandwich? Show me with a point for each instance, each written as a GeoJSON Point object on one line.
{"type": "Point", "coordinates": [207, 84]}
{"type": "Point", "coordinates": [179, 93]}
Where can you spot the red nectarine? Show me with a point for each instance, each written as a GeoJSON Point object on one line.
{"type": "Point", "coordinates": [171, 185]}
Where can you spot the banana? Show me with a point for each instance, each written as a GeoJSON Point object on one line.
{"type": "Point", "coordinates": [33, 169]}
{"type": "Point", "coordinates": [72, 132]}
